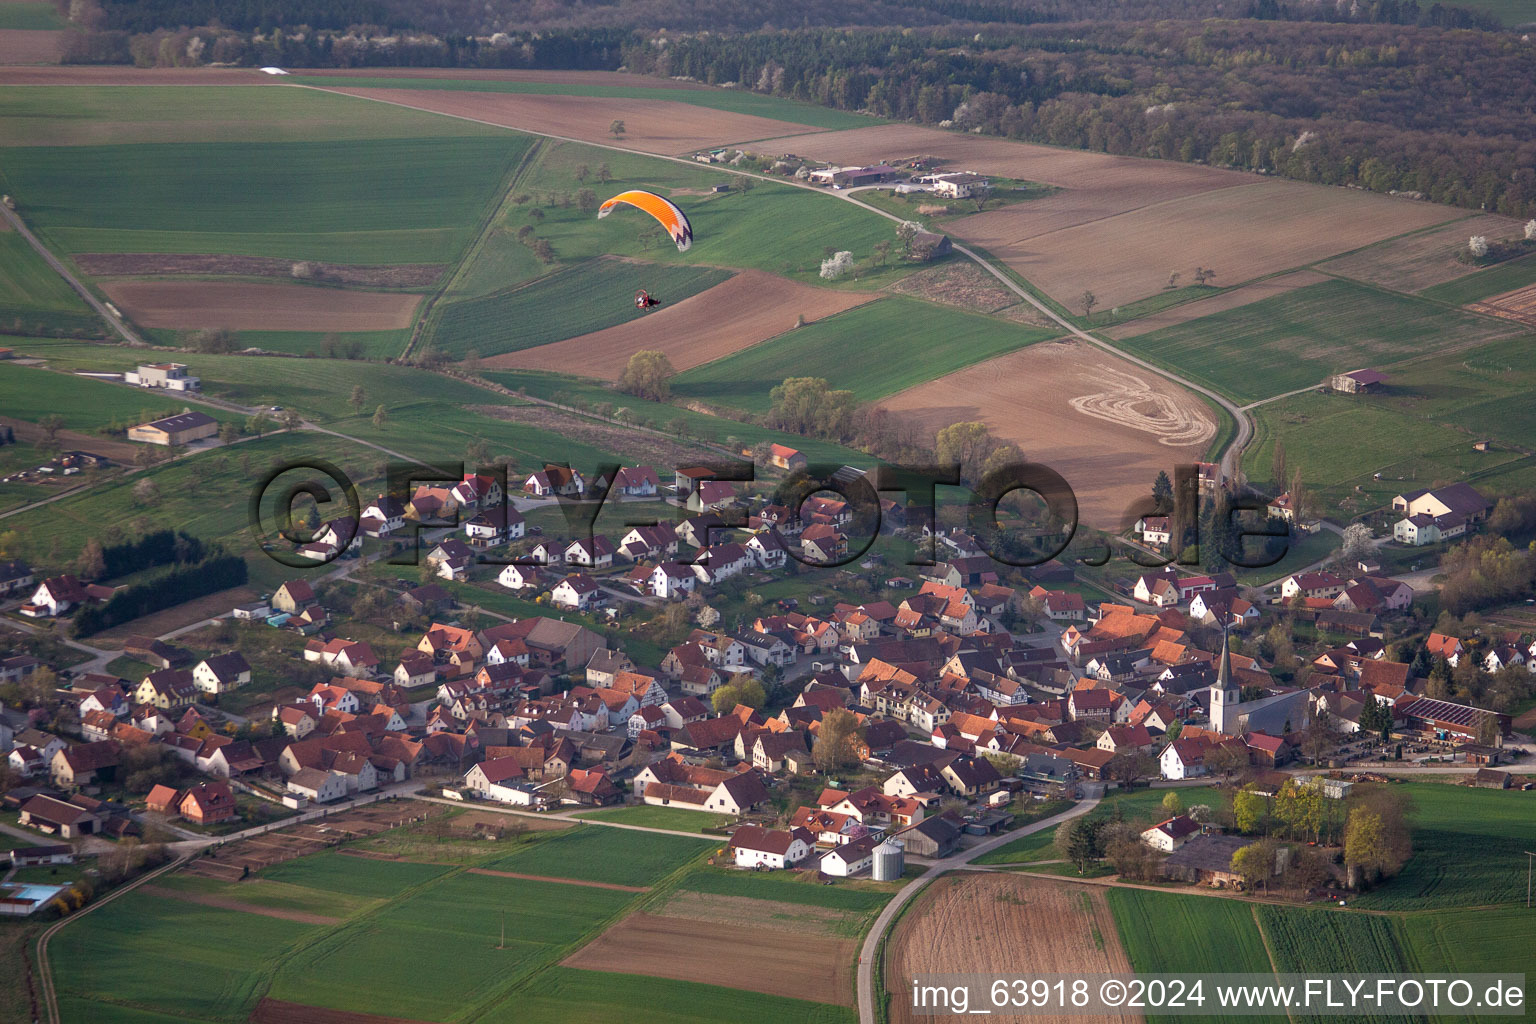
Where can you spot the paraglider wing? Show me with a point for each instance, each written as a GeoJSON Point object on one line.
{"type": "Point", "coordinates": [670, 217]}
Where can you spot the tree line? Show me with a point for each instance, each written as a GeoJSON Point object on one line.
{"type": "Point", "coordinates": [186, 582]}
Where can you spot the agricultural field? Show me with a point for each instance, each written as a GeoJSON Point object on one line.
{"type": "Point", "coordinates": [585, 298]}
{"type": "Point", "coordinates": [30, 16]}
{"type": "Point", "coordinates": [1510, 12]}
{"type": "Point", "coordinates": [993, 923]}
{"type": "Point", "coordinates": [1448, 821]}
{"type": "Point", "coordinates": [1421, 259]}
{"type": "Point", "coordinates": [35, 300]}
{"type": "Point", "coordinates": [591, 84]}
{"type": "Point", "coordinates": [565, 995]}
{"type": "Point", "coordinates": [248, 306]}
{"type": "Point", "coordinates": [1295, 340]}
{"type": "Point", "coordinates": [1345, 477]}
{"type": "Point", "coordinates": [375, 201]}
{"type": "Point", "coordinates": [748, 308]}
{"type": "Point", "coordinates": [595, 854]}
{"type": "Point", "coordinates": [1104, 424]}
{"type": "Point", "coordinates": [1480, 284]}
{"type": "Point", "coordinates": [1306, 940]}
{"type": "Point", "coordinates": [674, 818]}
{"type": "Point", "coordinates": [1219, 302]}
{"type": "Point", "coordinates": [30, 393]}
{"type": "Point", "coordinates": [874, 350]}
{"type": "Point", "coordinates": [653, 125]}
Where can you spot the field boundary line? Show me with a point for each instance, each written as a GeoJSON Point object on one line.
{"type": "Point", "coordinates": [1253, 908]}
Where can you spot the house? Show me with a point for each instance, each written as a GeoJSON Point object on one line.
{"type": "Point", "coordinates": [1091, 705]}
{"type": "Point", "coordinates": [58, 594]}
{"type": "Point", "coordinates": [1155, 531]}
{"type": "Point", "coordinates": [55, 817]}
{"type": "Point", "coordinates": [756, 847]}
{"type": "Point", "coordinates": [1125, 739]}
{"type": "Point", "coordinates": [167, 688]}
{"type": "Point", "coordinates": [1357, 382]}
{"type": "Point", "coordinates": [791, 460]}
{"type": "Point", "coordinates": [1208, 859]}
{"type": "Point", "coordinates": [1313, 584]}
{"type": "Point", "coordinates": [1167, 836]}
{"type": "Point", "coordinates": [768, 547]}
{"type": "Point", "coordinates": [1184, 758]}
{"type": "Point", "coordinates": [14, 578]}
{"type": "Point", "coordinates": [166, 376]}
{"type": "Point", "coordinates": [293, 597]}
{"type": "Point", "coordinates": [1448, 647]}
{"type": "Point", "coordinates": [42, 856]}
{"type": "Point", "coordinates": [971, 777]}
{"type": "Point", "coordinates": [518, 576]}
{"type": "Point", "coordinates": [822, 544]}
{"type": "Point", "coordinates": [495, 526]}
{"type": "Point", "coordinates": [415, 669]}
{"type": "Point", "coordinates": [555, 482]}
{"type": "Point", "coordinates": [1458, 502]}
{"type": "Point", "coordinates": [958, 185]}
{"type": "Point", "coordinates": [576, 593]}
{"type": "Point", "coordinates": [671, 581]}
{"type": "Point", "coordinates": [181, 429]}
{"type": "Point", "coordinates": [636, 482]}
{"type": "Point", "coordinates": [850, 858]}
{"type": "Point", "coordinates": [317, 786]}
{"type": "Point", "coordinates": [383, 516]}
{"type": "Point", "coordinates": [347, 657]}
{"type": "Point", "coordinates": [648, 542]}
{"type": "Point", "coordinates": [84, 763]}
{"type": "Point", "coordinates": [221, 673]}
{"type": "Point", "coordinates": [595, 552]}
{"type": "Point", "coordinates": [208, 803]}
{"type": "Point", "coordinates": [500, 779]}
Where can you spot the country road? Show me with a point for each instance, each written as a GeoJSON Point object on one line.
{"type": "Point", "coordinates": [53, 261]}
{"type": "Point", "coordinates": [867, 989]}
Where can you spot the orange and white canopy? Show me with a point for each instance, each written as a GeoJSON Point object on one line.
{"type": "Point", "coordinates": [665, 212]}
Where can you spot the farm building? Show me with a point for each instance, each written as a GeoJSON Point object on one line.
{"type": "Point", "coordinates": [756, 847]}
{"type": "Point", "coordinates": [1206, 859]}
{"type": "Point", "coordinates": [1446, 720]}
{"type": "Point", "coordinates": [183, 428]}
{"type": "Point", "coordinates": [169, 376]}
{"type": "Point", "coordinates": [1357, 382]}
{"type": "Point", "coordinates": [958, 186]}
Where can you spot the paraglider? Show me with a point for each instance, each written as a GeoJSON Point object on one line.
{"type": "Point", "coordinates": [666, 213]}
{"type": "Point", "coordinates": [644, 300]}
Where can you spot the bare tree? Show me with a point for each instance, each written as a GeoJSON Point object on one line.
{"type": "Point", "coordinates": [1088, 300]}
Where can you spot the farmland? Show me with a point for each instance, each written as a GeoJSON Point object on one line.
{"type": "Point", "coordinates": [605, 855]}
{"type": "Point", "coordinates": [30, 393]}
{"type": "Point", "coordinates": [33, 299]}
{"type": "Point", "coordinates": [596, 85]}
{"type": "Point", "coordinates": [1423, 259]}
{"type": "Point", "coordinates": [873, 350]}
{"type": "Point", "coordinates": [240, 305]}
{"type": "Point", "coordinates": [990, 923]}
{"type": "Point", "coordinates": [548, 309]}
{"type": "Point", "coordinates": [750, 307]}
{"type": "Point", "coordinates": [675, 818]}
{"type": "Point", "coordinates": [282, 933]}
{"type": "Point", "coordinates": [360, 201]}
{"type": "Point", "coordinates": [1303, 940]}
{"type": "Point", "coordinates": [1296, 339]}
{"type": "Point", "coordinates": [30, 16]}
{"type": "Point", "coordinates": [1494, 280]}
{"type": "Point", "coordinates": [1105, 424]}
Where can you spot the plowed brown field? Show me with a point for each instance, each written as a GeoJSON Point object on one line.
{"type": "Point", "coordinates": [744, 310]}
{"type": "Point", "coordinates": [651, 126]}
{"type": "Point", "coordinates": [275, 1011]}
{"type": "Point", "coordinates": [76, 74]}
{"type": "Point", "coordinates": [1518, 305]}
{"type": "Point", "coordinates": [615, 79]}
{"type": "Point", "coordinates": [1003, 924]}
{"type": "Point", "coordinates": [1120, 225]}
{"type": "Point", "coordinates": [736, 953]}
{"type": "Point", "coordinates": [241, 306]}
{"type": "Point", "coordinates": [1104, 424]}
{"type": "Point", "coordinates": [30, 46]}
{"type": "Point", "coordinates": [1423, 260]}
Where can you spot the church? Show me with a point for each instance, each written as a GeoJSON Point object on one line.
{"type": "Point", "coordinates": [1274, 715]}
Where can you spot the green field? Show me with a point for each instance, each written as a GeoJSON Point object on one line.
{"type": "Point", "coordinates": [735, 100]}
{"type": "Point", "coordinates": [361, 201]}
{"type": "Point", "coordinates": [582, 299]}
{"type": "Point", "coordinates": [597, 854]}
{"type": "Point", "coordinates": [1510, 12]}
{"type": "Point", "coordinates": [228, 952]}
{"type": "Point", "coordinates": [34, 299]}
{"type": "Point", "coordinates": [874, 350]}
{"type": "Point", "coordinates": [1406, 451]}
{"type": "Point", "coordinates": [1494, 280]}
{"type": "Point", "coordinates": [1169, 933]}
{"type": "Point", "coordinates": [568, 996]}
{"type": "Point", "coordinates": [49, 115]}
{"type": "Point", "coordinates": [773, 227]}
{"type": "Point", "coordinates": [674, 818]}
{"type": "Point", "coordinates": [30, 16]}
{"type": "Point", "coordinates": [1297, 339]}
{"type": "Point", "coordinates": [30, 393]}
{"type": "Point", "coordinates": [1311, 940]}
{"type": "Point", "coordinates": [334, 872]}
{"type": "Point", "coordinates": [784, 887]}
{"type": "Point", "coordinates": [1448, 822]}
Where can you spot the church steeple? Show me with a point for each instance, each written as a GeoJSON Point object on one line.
{"type": "Point", "coordinates": [1224, 692]}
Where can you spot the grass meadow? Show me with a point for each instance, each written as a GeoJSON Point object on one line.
{"type": "Point", "coordinates": [874, 350]}
{"type": "Point", "coordinates": [575, 301]}
{"type": "Point", "coordinates": [368, 201]}
{"type": "Point", "coordinates": [1494, 280]}
{"type": "Point", "coordinates": [30, 16]}
{"type": "Point", "coordinates": [675, 818]}
{"type": "Point", "coordinates": [30, 393]}
{"type": "Point", "coordinates": [1296, 339]}
{"type": "Point", "coordinates": [30, 291]}
{"type": "Point", "coordinates": [595, 854]}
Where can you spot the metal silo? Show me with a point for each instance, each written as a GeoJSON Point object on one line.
{"type": "Point", "coordinates": [889, 863]}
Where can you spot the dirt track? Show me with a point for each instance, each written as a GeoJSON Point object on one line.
{"type": "Point", "coordinates": [802, 965]}
{"type": "Point", "coordinates": [241, 306]}
{"type": "Point", "coordinates": [750, 307]}
{"type": "Point", "coordinates": [652, 126]}
{"type": "Point", "coordinates": [1003, 924]}
{"type": "Point", "coordinates": [561, 881]}
{"type": "Point", "coordinates": [1106, 425]}
{"type": "Point", "coordinates": [224, 903]}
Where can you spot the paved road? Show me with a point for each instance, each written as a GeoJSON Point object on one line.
{"type": "Point", "coordinates": [53, 261]}
{"type": "Point", "coordinates": [867, 983]}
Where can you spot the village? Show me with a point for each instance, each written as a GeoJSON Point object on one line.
{"type": "Point", "coordinates": [839, 736]}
